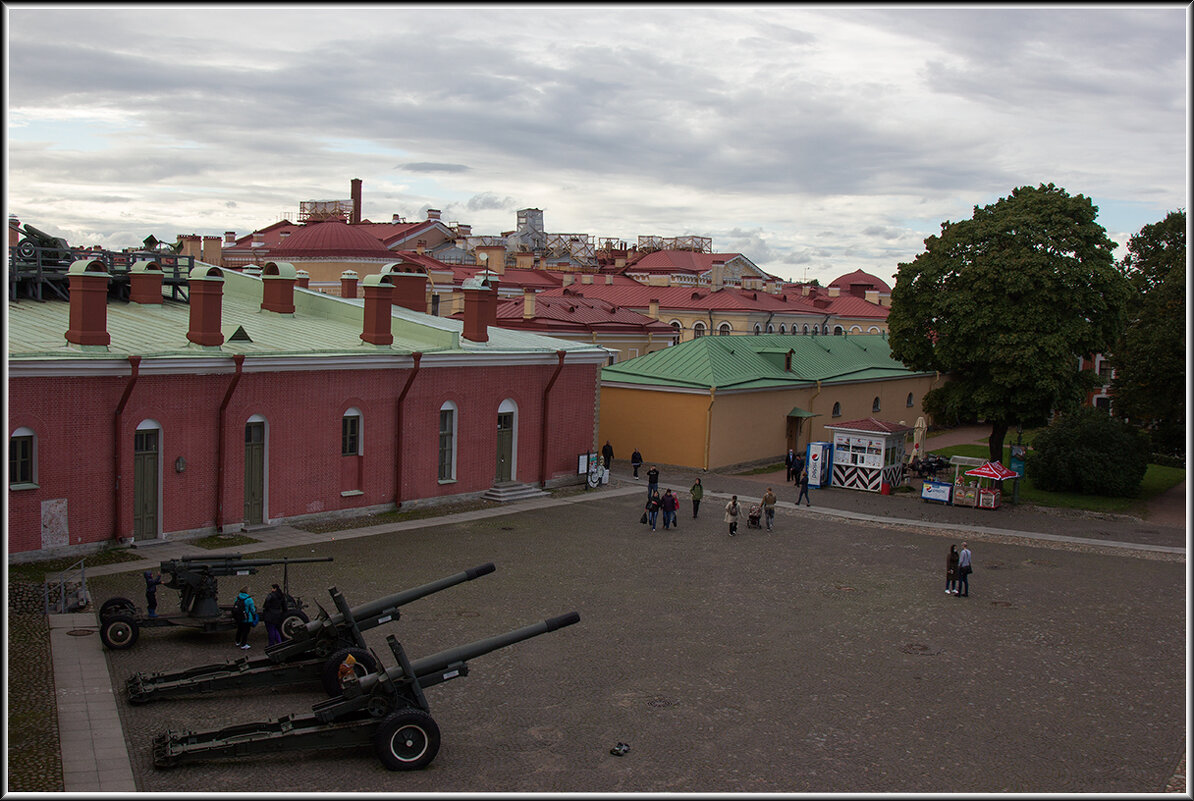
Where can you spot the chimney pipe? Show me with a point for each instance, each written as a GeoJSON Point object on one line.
{"type": "Point", "coordinates": [493, 257]}
{"type": "Point", "coordinates": [207, 292]}
{"type": "Point", "coordinates": [145, 283]}
{"type": "Point", "coordinates": [378, 325]}
{"type": "Point", "coordinates": [410, 286]}
{"type": "Point", "coordinates": [524, 261]}
{"type": "Point", "coordinates": [277, 287]}
{"type": "Point", "coordinates": [302, 279]}
{"type": "Point", "coordinates": [88, 303]}
{"type": "Point", "coordinates": [653, 309]}
{"type": "Point", "coordinates": [480, 306]}
{"type": "Point", "coordinates": [432, 214]}
{"type": "Point", "coordinates": [230, 237]}
{"type": "Point", "coordinates": [718, 277]}
{"type": "Point", "coordinates": [528, 304]}
{"type": "Point", "coordinates": [212, 251]}
{"type": "Point", "coordinates": [356, 200]}
{"type": "Point", "coordinates": [348, 284]}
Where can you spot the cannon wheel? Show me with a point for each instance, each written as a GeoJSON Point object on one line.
{"type": "Point", "coordinates": [292, 622]}
{"type": "Point", "coordinates": [27, 250]}
{"type": "Point", "coordinates": [331, 668]}
{"type": "Point", "coordinates": [407, 740]}
{"type": "Point", "coordinates": [119, 632]}
{"type": "Point", "coordinates": [116, 605]}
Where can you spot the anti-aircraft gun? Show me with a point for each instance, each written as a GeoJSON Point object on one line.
{"type": "Point", "coordinates": [38, 247]}
{"type": "Point", "coordinates": [199, 607]}
{"type": "Point", "coordinates": [312, 654]}
{"type": "Point", "coordinates": [386, 710]}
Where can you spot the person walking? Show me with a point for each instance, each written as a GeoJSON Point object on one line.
{"type": "Point", "coordinates": [244, 612]}
{"type": "Point", "coordinates": [636, 461]}
{"type": "Point", "coordinates": [652, 480]}
{"type": "Point", "coordinates": [803, 481]}
{"type": "Point", "coordinates": [769, 507]}
{"type": "Point", "coordinates": [272, 613]}
{"type": "Point", "coordinates": [607, 454]}
{"type": "Point", "coordinates": [797, 468]}
{"type": "Point", "coordinates": [654, 503]}
{"type": "Point", "coordinates": [670, 504]}
{"type": "Point", "coordinates": [732, 515]}
{"type": "Point", "coordinates": [151, 592]}
{"type": "Point", "coordinates": [951, 570]}
{"type": "Point", "coordinates": [964, 571]}
{"type": "Point", "coordinates": [697, 491]}
{"type": "Point", "coordinates": [790, 463]}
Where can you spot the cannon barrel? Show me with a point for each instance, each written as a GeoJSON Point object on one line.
{"type": "Point", "coordinates": [232, 562]}
{"type": "Point", "coordinates": [401, 598]}
{"type": "Point", "coordinates": [44, 239]}
{"type": "Point", "coordinates": [436, 663]}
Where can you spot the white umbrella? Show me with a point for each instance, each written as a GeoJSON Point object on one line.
{"type": "Point", "coordinates": [918, 437]}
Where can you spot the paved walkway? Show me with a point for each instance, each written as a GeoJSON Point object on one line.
{"type": "Point", "coordinates": [96, 761]}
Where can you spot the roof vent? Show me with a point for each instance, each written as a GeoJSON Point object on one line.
{"type": "Point", "coordinates": [240, 335]}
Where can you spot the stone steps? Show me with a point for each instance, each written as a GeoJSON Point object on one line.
{"type": "Point", "coordinates": [510, 491]}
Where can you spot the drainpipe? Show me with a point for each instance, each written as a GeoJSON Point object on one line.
{"type": "Point", "coordinates": [543, 419]}
{"type": "Point", "coordinates": [709, 425]}
{"type": "Point", "coordinates": [239, 360]}
{"type": "Point", "coordinates": [410, 379]}
{"type": "Point", "coordinates": [118, 424]}
{"type": "Point", "coordinates": [811, 403]}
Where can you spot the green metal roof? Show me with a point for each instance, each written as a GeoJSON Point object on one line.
{"type": "Point", "coordinates": [757, 362]}
{"type": "Point", "coordinates": [321, 325]}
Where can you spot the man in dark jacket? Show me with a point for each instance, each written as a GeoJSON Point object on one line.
{"type": "Point", "coordinates": [272, 613]}
{"type": "Point", "coordinates": [607, 454]}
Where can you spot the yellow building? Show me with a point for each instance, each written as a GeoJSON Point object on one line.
{"type": "Point", "coordinates": [714, 402]}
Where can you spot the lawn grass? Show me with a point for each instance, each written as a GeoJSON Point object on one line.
{"type": "Point", "coordinates": [1157, 479]}
{"type": "Point", "coordinates": [213, 541]}
{"type": "Point", "coordinates": [37, 571]}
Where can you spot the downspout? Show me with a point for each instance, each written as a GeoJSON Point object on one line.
{"type": "Point", "coordinates": [709, 425]}
{"type": "Point", "coordinates": [410, 379]}
{"type": "Point", "coordinates": [239, 360]}
{"type": "Point", "coordinates": [811, 403]}
{"type": "Point", "coordinates": [118, 425]}
{"type": "Point", "coordinates": [543, 419]}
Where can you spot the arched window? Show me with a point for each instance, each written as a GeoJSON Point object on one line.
{"type": "Point", "coordinates": [447, 441]}
{"type": "Point", "coordinates": [782, 329]}
{"type": "Point", "coordinates": [724, 329]}
{"type": "Point", "coordinates": [837, 409]}
{"type": "Point", "coordinates": [758, 329]}
{"type": "Point", "coordinates": [698, 329]}
{"type": "Point", "coordinates": [678, 328]}
{"type": "Point", "coordinates": [909, 403]}
{"type": "Point", "coordinates": [875, 404]}
{"type": "Point", "coordinates": [825, 328]}
{"type": "Point", "coordinates": [854, 329]}
{"type": "Point", "coordinates": [22, 459]}
{"type": "Point", "coordinates": [770, 328]}
{"type": "Point", "coordinates": [872, 330]}
{"type": "Point", "coordinates": [838, 330]}
{"type": "Point", "coordinates": [351, 441]}
{"type": "Point", "coordinates": [805, 328]}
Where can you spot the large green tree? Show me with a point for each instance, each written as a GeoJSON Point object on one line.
{"type": "Point", "coordinates": [1005, 303]}
{"type": "Point", "coordinates": [1150, 359]}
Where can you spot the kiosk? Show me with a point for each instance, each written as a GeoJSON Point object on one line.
{"type": "Point", "coordinates": [868, 454]}
{"type": "Point", "coordinates": [989, 496]}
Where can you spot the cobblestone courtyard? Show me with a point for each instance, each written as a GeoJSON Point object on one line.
{"type": "Point", "coordinates": [825, 657]}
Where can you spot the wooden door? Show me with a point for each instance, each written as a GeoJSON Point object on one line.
{"type": "Point", "coordinates": [145, 485]}
{"type": "Point", "coordinates": [505, 445]}
{"type": "Point", "coordinates": [255, 473]}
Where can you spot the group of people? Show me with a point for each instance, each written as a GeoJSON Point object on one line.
{"type": "Point", "coordinates": [273, 611]}
{"type": "Point", "coordinates": [957, 571]}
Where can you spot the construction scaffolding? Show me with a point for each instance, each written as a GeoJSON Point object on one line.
{"type": "Point", "coordinates": [325, 210]}
{"type": "Point", "coordinates": [698, 244]}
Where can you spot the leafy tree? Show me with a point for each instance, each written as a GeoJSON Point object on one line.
{"type": "Point", "coordinates": [1005, 303]}
{"type": "Point", "coordinates": [1090, 452]}
{"type": "Point", "coordinates": [1149, 387]}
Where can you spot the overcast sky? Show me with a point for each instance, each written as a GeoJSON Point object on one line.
{"type": "Point", "coordinates": [815, 140]}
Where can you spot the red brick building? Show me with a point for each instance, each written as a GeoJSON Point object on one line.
{"type": "Point", "coordinates": [258, 401]}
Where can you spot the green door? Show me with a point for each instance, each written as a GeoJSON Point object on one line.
{"type": "Point", "coordinates": [505, 445]}
{"type": "Point", "coordinates": [254, 473]}
{"type": "Point", "coordinates": [145, 485]}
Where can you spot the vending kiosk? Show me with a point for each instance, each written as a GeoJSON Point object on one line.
{"type": "Point", "coordinates": [818, 461]}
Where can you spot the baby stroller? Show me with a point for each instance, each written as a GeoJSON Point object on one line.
{"type": "Point", "coordinates": [753, 516]}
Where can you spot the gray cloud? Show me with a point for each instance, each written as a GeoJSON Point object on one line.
{"type": "Point", "coordinates": [431, 166]}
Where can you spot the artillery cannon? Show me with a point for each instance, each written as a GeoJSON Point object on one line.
{"type": "Point", "coordinates": [41, 248]}
{"type": "Point", "coordinates": [387, 710]}
{"type": "Point", "coordinates": [313, 653]}
{"type": "Point", "coordinates": [195, 580]}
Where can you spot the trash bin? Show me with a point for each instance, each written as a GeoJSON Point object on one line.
{"type": "Point", "coordinates": [884, 488]}
{"type": "Point", "coordinates": [605, 476]}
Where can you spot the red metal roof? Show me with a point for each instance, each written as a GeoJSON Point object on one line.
{"type": "Point", "coordinates": [671, 261]}
{"type": "Point", "coordinates": [330, 239]}
{"type": "Point", "coordinates": [571, 312]}
{"type": "Point", "coordinates": [859, 277]}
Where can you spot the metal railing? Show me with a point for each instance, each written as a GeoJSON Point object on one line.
{"type": "Point", "coordinates": [67, 593]}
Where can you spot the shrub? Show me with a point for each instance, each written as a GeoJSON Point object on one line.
{"type": "Point", "coordinates": [1089, 452]}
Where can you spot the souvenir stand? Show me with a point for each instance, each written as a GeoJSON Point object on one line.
{"type": "Point", "coordinates": [868, 454]}
{"type": "Point", "coordinates": [989, 496]}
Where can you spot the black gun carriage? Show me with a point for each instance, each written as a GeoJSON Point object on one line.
{"type": "Point", "coordinates": [386, 710]}
{"type": "Point", "coordinates": [195, 580]}
{"type": "Point", "coordinates": [313, 652]}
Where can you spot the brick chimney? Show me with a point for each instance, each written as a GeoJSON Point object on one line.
{"type": "Point", "coordinates": [213, 252]}
{"type": "Point", "coordinates": [258, 238]}
{"type": "Point", "coordinates": [528, 304]}
{"type": "Point", "coordinates": [192, 246]}
{"type": "Point", "coordinates": [609, 280]}
{"type": "Point", "coordinates": [88, 303]}
{"type": "Point", "coordinates": [277, 287]}
{"type": "Point", "coordinates": [410, 286]}
{"type": "Point", "coordinates": [348, 284]}
{"type": "Point", "coordinates": [524, 261]}
{"type": "Point", "coordinates": [356, 201]}
{"type": "Point", "coordinates": [145, 282]}
{"type": "Point", "coordinates": [653, 309]}
{"type": "Point", "coordinates": [718, 276]}
{"type": "Point", "coordinates": [206, 295]}
{"type": "Point", "coordinates": [230, 237]}
{"type": "Point", "coordinates": [302, 279]}
{"type": "Point", "coordinates": [480, 306]}
{"type": "Point", "coordinates": [432, 214]}
{"type": "Point", "coordinates": [378, 295]}
{"type": "Point", "coordinates": [420, 246]}
{"type": "Point", "coordinates": [835, 291]}
{"type": "Point", "coordinates": [492, 258]}
{"type": "Point", "coordinates": [586, 278]}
